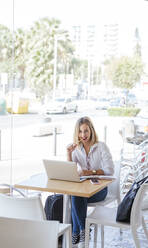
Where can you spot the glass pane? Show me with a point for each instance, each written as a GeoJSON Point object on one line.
{"type": "Point", "coordinates": [6, 79]}
{"type": "Point", "coordinates": [65, 49]}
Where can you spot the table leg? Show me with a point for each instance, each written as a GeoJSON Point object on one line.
{"type": "Point", "coordinates": [67, 209]}
{"type": "Point", "coordinates": [66, 214]}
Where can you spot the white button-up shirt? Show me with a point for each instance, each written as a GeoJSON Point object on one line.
{"type": "Point", "coordinates": [99, 157]}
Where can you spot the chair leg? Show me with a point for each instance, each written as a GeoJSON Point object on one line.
{"type": "Point", "coordinates": [102, 236]}
{"type": "Point", "coordinates": [145, 228]}
{"type": "Point", "coordinates": [135, 238]}
{"type": "Point", "coordinates": [68, 238]}
{"type": "Point", "coordinates": [121, 231]}
{"type": "Point", "coordinates": [95, 232]}
{"type": "Point", "coordinates": [87, 229]}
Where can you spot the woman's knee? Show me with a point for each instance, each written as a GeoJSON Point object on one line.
{"type": "Point", "coordinates": [100, 196]}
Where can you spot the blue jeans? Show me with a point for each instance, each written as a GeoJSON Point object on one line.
{"type": "Point", "coordinates": [79, 209]}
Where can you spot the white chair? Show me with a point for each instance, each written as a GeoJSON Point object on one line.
{"type": "Point", "coordinates": [136, 171]}
{"type": "Point", "coordinates": [113, 195]}
{"type": "Point", "coordinates": [139, 152]}
{"type": "Point", "coordinates": [29, 208]}
{"type": "Point", "coordinates": [22, 207]}
{"type": "Point", "coordinates": [9, 189]}
{"type": "Point", "coordinates": [20, 233]}
{"type": "Point", "coordinates": [107, 217]}
{"type": "Point", "coordinates": [113, 189]}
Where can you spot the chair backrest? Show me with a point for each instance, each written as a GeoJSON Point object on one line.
{"type": "Point", "coordinates": [142, 174]}
{"type": "Point", "coordinates": [28, 233]}
{"type": "Point", "coordinates": [4, 189]}
{"type": "Point", "coordinates": [136, 212]}
{"type": "Point", "coordinates": [114, 187]}
{"type": "Point", "coordinates": [22, 207]}
{"type": "Point", "coordinates": [143, 145]}
{"type": "Point", "coordinates": [140, 166]}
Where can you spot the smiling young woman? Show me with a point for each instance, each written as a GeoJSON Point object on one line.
{"type": "Point", "coordinates": [93, 158]}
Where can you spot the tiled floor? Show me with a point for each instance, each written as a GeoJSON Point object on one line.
{"type": "Point", "coordinates": [113, 239]}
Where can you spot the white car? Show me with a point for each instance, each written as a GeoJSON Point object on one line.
{"type": "Point", "coordinates": [61, 105]}
{"type": "Point", "coordinates": [102, 104]}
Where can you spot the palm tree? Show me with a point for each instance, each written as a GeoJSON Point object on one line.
{"type": "Point", "coordinates": [5, 49]}
{"type": "Point", "coordinates": [39, 49]}
{"type": "Point", "coordinates": [20, 55]}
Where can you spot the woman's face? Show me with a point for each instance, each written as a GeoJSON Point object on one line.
{"type": "Point", "coordinates": [84, 133]}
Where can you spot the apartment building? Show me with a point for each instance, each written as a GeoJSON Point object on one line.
{"type": "Point", "coordinates": [95, 42]}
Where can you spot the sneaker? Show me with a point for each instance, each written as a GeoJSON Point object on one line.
{"type": "Point", "coordinates": [82, 236]}
{"type": "Point", "coordinates": [75, 238]}
{"type": "Point", "coordinates": [82, 239]}
{"type": "Point", "coordinates": [81, 245]}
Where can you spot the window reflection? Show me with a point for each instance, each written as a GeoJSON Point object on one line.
{"type": "Point", "coordinates": [51, 55]}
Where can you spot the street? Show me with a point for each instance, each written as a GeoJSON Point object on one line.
{"type": "Point", "coordinates": [20, 120]}
{"type": "Point", "coordinates": [32, 132]}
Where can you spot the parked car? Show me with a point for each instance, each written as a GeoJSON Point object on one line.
{"type": "Point", "coordinates": [131, 99]}
{"type": "Point", "coordinates": [116, 102]}
{"type": "Point", "coordinates": [61, 105]}
{"type": "Point", "coordinates": [102, 104]}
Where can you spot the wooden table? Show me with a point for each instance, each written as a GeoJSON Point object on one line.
{"type": "Point", "coordinates": [40, 182]}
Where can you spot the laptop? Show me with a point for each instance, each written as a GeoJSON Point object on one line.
{"type": "Point", "coordinates": [62, 170]}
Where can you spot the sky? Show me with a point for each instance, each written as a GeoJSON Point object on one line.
{"type": "Point", "coordinates": [73, 11]}
{"type": "Point", "coordinates": [129, 14]}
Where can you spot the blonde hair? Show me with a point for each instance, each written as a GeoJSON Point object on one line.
{"type": "Point", "coordinates": [93, 137]}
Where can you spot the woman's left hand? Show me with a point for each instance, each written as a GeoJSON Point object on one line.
{"type": "Point", "coordinates": [85, 173]}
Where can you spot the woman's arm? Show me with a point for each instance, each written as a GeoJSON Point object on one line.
{"type": "Point", "coordinates": [108, 165]}
{"type": "Point", "coordinates": [70, 149]}
{"type": "Point", "coordinates": [104, 157]}
{"type": "Point", "coordinates": [91, 172]}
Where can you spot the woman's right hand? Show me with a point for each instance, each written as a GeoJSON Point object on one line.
{"type": "Point", "coordinates": [70, 149]}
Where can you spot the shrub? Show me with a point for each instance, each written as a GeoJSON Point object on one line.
{"type": "Point", "coordinates": [118, 111]}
